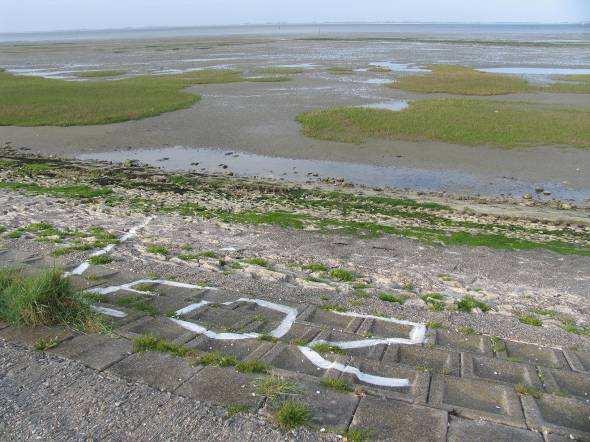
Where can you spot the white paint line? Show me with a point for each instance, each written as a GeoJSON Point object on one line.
{"type": "Point", "coordinates": [129, 286]}
{"type": "Point", "coordinates": [363, 343]}
{"type": "Point", "coordinates": [380, 318]}
{"type": "Point", "coordinates": [316, 359]}
{"type": "Point", "coordinates": [109, 311]}
{"type": "Point", "coordinates": [281, 330]}
{"type": "Point", "coordinates": [131, 234]}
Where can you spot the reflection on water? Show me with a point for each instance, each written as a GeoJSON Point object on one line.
{"type": "Point", "coordinates": [398, 67]}
{"type": "Point", "coordinates": [297, 170]}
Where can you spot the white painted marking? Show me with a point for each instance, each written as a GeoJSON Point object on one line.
{"type": "Point", "coordinates": [109, 311]}
{"type": "Point", "coordinates": [316, 359]}
{"type": "Point", "coordinates": [129, 235]}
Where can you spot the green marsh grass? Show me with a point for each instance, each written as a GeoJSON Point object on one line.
{"type": "Point", "coordinates": [99, 74]}
{"type": "Point", "coordinates": [460, 121]}
{"type": "Point", "coordinates": [35, 101]}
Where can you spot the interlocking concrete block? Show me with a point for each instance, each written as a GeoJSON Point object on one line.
{"type": "Point", "coordinates": [416, 391]}
{"type": "Point", "coordinates": [534, 355]}
{"type": "Point", "coordinates": [424, 358]}
{"type": "Point", "coordinates": [161, 327]}
{"type": "Point", "coordinates": [289, 357]}
{"type": "Point", "coordinates": [301, 333]}
{"type": "Point", "coordinates": [241, 349]}
{"type": "Point", "coordinates": [223, 386]}
{"type": "Point", "coordinates": [476, 399]}
{"type": "Point", "coordinates": [560, 415]}
{"type": "Point", "coordinates": [570, 383]}
{"type": "Point", "coordinates": [330, 320]}
{"type": "Point", "coordinates": [499, 370]}
{"type": "Point", "coordinates": [385, 419]}
{"type": "Point", "coordinates": [463, 430]}
{"type": "Point", "coordinates": [328, 408]}
{"type": "Point", "coordinates": [578, 360]}
{"type": "Point", "coordinates": [159, 370]}
{"type": "Point", "coordinates": [465, 343]}
{"type": "Point", "coordinates": [29, 336]}
{"type": "Point", "coordinates": [95, 351]}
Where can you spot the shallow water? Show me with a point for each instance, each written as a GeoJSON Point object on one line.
{"type": "Point", "coordinates": [297, 170]}
{"type": "Point", "coordinates": [537, 71]}
{"type": "Point", "coordinates": [395, 105]}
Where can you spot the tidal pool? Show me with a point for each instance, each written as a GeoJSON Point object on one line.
{"type": "Point", "coordinates": [242, 164]}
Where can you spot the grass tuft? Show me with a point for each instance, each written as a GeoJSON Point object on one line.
{"type": "Point", "coordinates": [388, 297]}
{"type": "Point", "coordinates": [252, 366]}
{"type": "Point", "coordinates": [469, 303]}
{"type": "Point", "coordinates": [342, 275]}
{"type": "Point", "coordinates": [100, 259]}
{"type": "Point", "coordinates": [530, 319]}
{"type": "Point", "coordinates": [337, 384]}
{"type": "Point", "coordinates": [292, 414]}
{"type": "Point", "coordinates": [44, 299]}
{"type": "Point", "coordinates": [275, 387]}
{"type": "Point", "coordinates": [152, 343]}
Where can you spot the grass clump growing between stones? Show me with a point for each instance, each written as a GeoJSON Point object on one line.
{"type": "Point", "coordinates": [43, 344]}
{"type": "Point", "coordinates": [571, 327]}
{"type": "Point", "coordinates": [36, 101]}
{"type": "Point", "coordinates": [461, 80]}
{"type": "Point", "coordinates": [137, 303]}
{"type": "Point", "coordinates": [388, 297]}
{"type": "Point", "coordinates": [275, 387]}
{"type": "Point", "coordinates": [342, 275]}
{"type": "Point", "coordinates": [152, 343]}
{"type": "Point", "coordinates": [157, 250]}
{"type": "Point", "coordinates": [99, 74]}
{"type": "Point", "coordinates": [251, 366]}
{"type": "Point", "coordinates": [216, 358]}
{"type": "Point", "coordinates": [469, 303]}
{"type": "Point", "coordinates": [497, 344]}
{"type": "Point", "coordinates": [357, 435]}
{"type": "Point", "coordinates": [293, 414]}
{"type": "Point", "coordinates": [434, 300]}
{"type": "Point", "coordinates": [44, 299]}
{"type": "Point", "coordinates": [530, 319]}
{"type": "Point", "coordinates": [260, 262]}
{"type": "Point", "coordinates": [325, 348]}
{"type": "Point", "coordinates": [100, 259]}
{"type": "Point", "coordinates": [525, 390]}
{"type": "Point", "coordinates": [460, 121]}
{"type": "Point", "coordinates": [337, 384]}
{"type": "Point", "coordinates": [315, 267]}
{"type": "Point", "coordinates": [234, 409]}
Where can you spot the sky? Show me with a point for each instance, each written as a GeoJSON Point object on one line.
{"type": "Point", "coordinates": [48, 15]}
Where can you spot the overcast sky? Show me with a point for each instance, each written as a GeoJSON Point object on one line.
{"type": "Point", "coordinates": [44, 15]}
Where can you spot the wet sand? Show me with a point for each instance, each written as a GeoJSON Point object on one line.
{"type": "Point", "coordinates": [259, 118]}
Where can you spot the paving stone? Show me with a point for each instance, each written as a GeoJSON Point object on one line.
{"type": "Point", "coordinates": [436, 360]}
{"type": "Point", "coordinates": [219, 319]}
{"type": "Point", "coordinates": [373, 352]}
{"type": "Point", "coordinates": [30, 335]}
{"type": "Point", "coordinates": [328, 408]}
{"type": "Point", "coordinates": [289, 357]}
{"type": "Point", "coordinates": [568, 383]}
{"type": "Point", "coordinates": [475, 399]}
{"type": "Point", "coordinates": [560, 415]}
{"type": "Point", "coordinates": [159, 326]}
{"type": "Point", "coordinates": [462, 430]}
{"type": "Point", "coordinates": [499, 370]}
{"type": "Point", "coordinates": [416, 391]}
{"type": "Point", "coordinates": [533, 354]}
{"type": "Point", "coordinates": [223, 386]}
{"type": "Point", "coordinates": [392, 420]}
{"type": "Point", "coordinates": [241, 349]}
{"type": "Point", "coordinates": [164, 305]}
{"type": "Point", "coordinates": [579, 360]}
{"type": "Point", "coordinates": [468, 343]}
{"type": "Point", "coordinates": [159, 370]}
{"type": "Point", "coordinates": [331, 320]}
{"type": "Point", "coordinates": [96, 351]}
{"type": "Point", "coordinates": [302, 332]}
{"type": "Point", "coordinates": [117, 322]}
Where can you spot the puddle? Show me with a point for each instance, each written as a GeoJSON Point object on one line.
{"type": "Point", "coordinates": [536, 71]}
{"type": "Point", "coordinates": [297, 170]}
{"type": "Point", "coordinates": [379, 81]}
{"type": "Point", "coordinates": [398, 67]}
{"type": "Point", "coordinates": [396, 105]}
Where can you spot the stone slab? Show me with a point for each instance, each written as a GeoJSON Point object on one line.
{"type": "Point", "coordinates": [560, 415]}
{"type": "Point", "coordinates": [463, 430]}
{"type": "Point", "coordinates": [95, 351]}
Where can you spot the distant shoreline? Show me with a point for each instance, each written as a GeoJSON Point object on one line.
{"type": "Point", "coordinates": [275, 29]}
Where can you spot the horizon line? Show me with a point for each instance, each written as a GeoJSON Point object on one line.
{"type": "Point", "coordinates": [404, 22]}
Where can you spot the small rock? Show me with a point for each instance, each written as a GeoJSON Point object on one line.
{"type": "Point", "coordinates": [416, 303]}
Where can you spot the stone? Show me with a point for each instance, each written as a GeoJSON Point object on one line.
{"type": "Point", "coordinates": [462, 430]}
